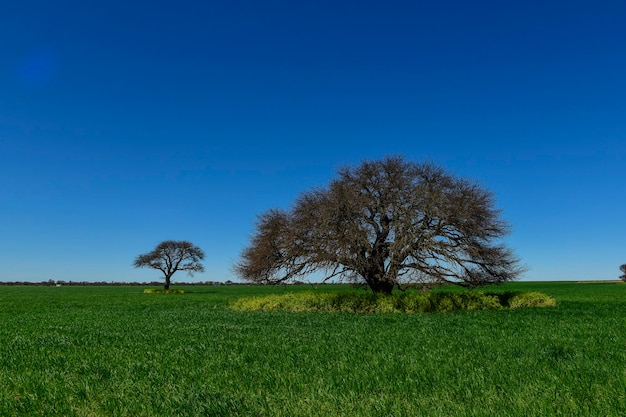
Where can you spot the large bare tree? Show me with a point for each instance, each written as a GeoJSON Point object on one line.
{"type": "Point", "coordinates": [385, 223]}
{"type": "Point", "coordinates": [170, 256]}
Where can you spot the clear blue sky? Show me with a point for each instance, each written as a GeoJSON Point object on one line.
{"type": "Point", "coordinates": [123, 124]}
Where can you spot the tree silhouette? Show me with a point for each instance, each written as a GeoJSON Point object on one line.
{"type": "Point", "coordinates": [171, 256]}
{"type": "Point", "coordinates": [385, 223]}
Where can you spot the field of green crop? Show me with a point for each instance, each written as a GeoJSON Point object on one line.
{"type": "Point", "coordinates": [115, 351]}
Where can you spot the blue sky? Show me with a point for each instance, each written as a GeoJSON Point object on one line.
{"type": "Point", "coordinates": [123, 124]}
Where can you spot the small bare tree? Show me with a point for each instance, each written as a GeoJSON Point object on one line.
{"type": "Point", "coordinates": [171, 256]}
{"type": "Point", "coordinates": [623, 269]}
{"type": "Point", "coordinates": [385, 223]}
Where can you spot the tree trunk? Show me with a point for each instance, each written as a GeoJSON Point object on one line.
{"type": "Point", "coordinates": [381, 287]}
{"type": "Point", "coordinates": [375, 275]}
{"type": "Point", "coordinates": [167, 283]}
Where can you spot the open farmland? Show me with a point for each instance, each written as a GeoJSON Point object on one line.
{"type": "Point", "coordinates": [114, 351]}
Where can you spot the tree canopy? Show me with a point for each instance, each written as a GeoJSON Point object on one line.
{"type": "Point", "coordinates": [623, 269]}
{"type": "Point", "coordinates": [170, 256]}
{"type": "Point", "coordinates": [385, 223]}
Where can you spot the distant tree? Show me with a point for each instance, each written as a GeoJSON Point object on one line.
{"type": "Point", "coordinates": [171, 256]}
{"type": "Point", "coordinates": [385, 223]}
{"type": "Point", "coordinates": [623, 269]}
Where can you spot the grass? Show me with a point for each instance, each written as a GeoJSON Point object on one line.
{"type": "Point", "coordinates": [114, 351]}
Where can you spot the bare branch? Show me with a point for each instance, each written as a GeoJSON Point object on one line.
{"type": "Point", "coordinates": [385, 223]}
{"type": "Point", "coordinates": [170, 256]}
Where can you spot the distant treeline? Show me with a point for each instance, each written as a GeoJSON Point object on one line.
{"type": "Point", "coordinates": [52, 283]}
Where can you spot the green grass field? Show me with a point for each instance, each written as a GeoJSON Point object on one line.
{"type": "Point", "coordinates": [115, 351]}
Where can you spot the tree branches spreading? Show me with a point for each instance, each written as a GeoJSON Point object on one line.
{"type": "Point", "coordinates": [385, 223]}
{"type": "Point", "coordinates": [171, 256]}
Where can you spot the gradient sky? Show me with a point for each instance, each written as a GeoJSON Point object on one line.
{"type": "Point", "coordinates": [123, 124]}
